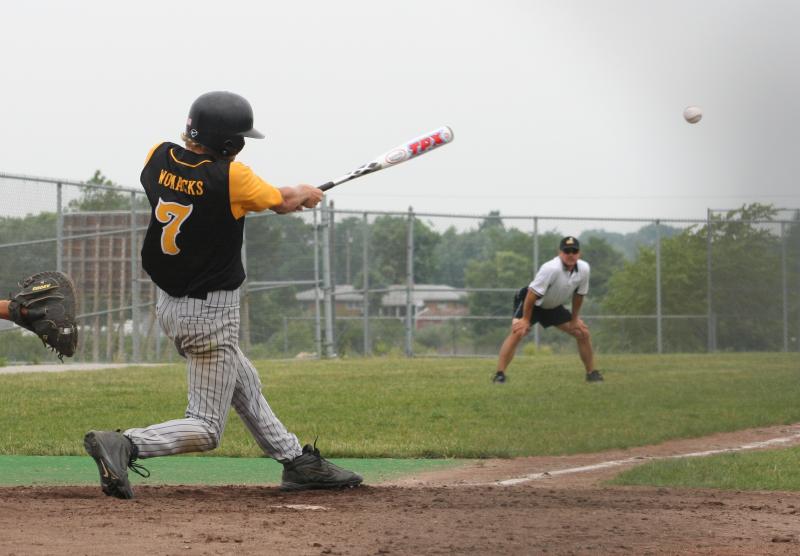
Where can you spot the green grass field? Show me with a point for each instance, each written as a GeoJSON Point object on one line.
{"type": "Point", "coordinates": [771, 470]}
{"type": "Point", "coordinates": [425, 408]}
{"type": "Point", "coordinates": [428, 407]}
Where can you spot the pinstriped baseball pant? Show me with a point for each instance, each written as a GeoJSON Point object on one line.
{"type": "Point", "coordinates": [206, 332]}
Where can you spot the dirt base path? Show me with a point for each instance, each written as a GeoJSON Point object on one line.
{"type": "Point", "coordinates": [468, 511]}
{"type": "Point", "coordinates": [565, 471]}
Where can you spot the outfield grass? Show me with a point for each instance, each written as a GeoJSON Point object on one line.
{"type": "Point", "coordinates": [772, 470]}
{"type": "Point", "coordinates": [428, 407]}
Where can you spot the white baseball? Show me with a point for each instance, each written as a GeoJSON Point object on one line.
{"type": "Point", "coordinates": [692, 114]}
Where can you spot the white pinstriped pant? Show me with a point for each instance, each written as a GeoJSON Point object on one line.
{"type": "Point", "coordinates": [206, 332]}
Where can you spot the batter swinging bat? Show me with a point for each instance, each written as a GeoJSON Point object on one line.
{"type": "Point", "coordinates": [410, 149]}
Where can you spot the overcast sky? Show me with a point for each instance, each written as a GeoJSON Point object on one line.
{"type": "Point", "coordinates": [559, 108]}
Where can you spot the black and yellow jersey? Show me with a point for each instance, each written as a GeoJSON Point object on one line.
{"type": "Point", "coordinates": [194, 240]}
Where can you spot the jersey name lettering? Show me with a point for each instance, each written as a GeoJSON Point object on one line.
{"type": "Point", "coordinates": [172, 181]}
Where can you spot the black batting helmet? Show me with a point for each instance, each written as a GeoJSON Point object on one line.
{"type": "Point", "coordinates": [220, 121]}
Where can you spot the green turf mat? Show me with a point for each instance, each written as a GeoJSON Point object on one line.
{"type": "Point", "coordinates": [77, 470]}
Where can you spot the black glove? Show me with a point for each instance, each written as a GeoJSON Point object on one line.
{"type": "Point", "coordinates": [46, 306]}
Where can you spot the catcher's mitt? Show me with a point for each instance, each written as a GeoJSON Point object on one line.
{"type": "Point", "coordinates": [46, 306]}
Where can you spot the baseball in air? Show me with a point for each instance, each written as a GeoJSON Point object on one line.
{"type": "Point", "coordinates": [692, 114]}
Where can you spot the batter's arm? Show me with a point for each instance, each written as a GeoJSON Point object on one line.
{"type": "Point", "coordinates": [4, 309]}
{"type": "Point", "coordinates": [298, 197]}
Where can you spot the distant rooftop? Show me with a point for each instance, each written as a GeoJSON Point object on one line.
{"type": "Point", "coordinates": [395, 297]}
{"type": "Point", "coordinates": [344, 293]}
{"type": "Point", "coordinates": [423, 293]}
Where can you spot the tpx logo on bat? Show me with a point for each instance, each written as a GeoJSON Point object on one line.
{"type": "Point", "coordinates": [420, 145]}
{"type": "Point", "coordinates": [415, 147]}
{"type": "Point", "coordinates": [439, 137]}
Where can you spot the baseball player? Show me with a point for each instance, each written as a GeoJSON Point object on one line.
{"type": "Point", "coordinates": [558, 281]}
{"type": "Point", "coordinates": [199, 197]}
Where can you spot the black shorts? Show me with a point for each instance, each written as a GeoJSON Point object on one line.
{"type": "Point", "coordinates": [545, 317]}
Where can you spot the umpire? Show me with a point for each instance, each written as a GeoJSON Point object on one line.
{"type": "Point", "coordinates": [558, 281]}
{"type": "Point", "coordinates": [199, 196]}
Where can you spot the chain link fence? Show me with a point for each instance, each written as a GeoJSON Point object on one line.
{"type": "Point", "coordinates": [332, 282]}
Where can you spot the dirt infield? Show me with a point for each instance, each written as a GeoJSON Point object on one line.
{"type": "Point", "coordinates": [463, 512]}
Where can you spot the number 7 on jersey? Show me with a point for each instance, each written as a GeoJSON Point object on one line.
{"type": "Point", "coordinates": [172, 215]}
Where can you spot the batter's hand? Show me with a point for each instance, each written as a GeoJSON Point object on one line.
{"type": "Point", "coordinates": [313, 195]}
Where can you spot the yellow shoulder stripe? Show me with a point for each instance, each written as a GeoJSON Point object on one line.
{"type": "Point", "coordinates": [150, 154]}
{"type": "Point", "coordinates": [172, 154]}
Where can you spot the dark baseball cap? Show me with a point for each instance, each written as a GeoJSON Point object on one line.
{"type": "Point", "coordinates": [569, 242]}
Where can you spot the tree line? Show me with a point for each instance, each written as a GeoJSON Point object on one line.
{"type": "Point", "coordinates": [747, 274]}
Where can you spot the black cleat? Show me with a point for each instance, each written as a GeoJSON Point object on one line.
{"type": "Point", "coordinates": [113, 453]}
{"type": "Point", "coordinates": [311, 471]}
{"type": "Point", "coordinates": [594, 376]}
{"type": "Point", "coordinates": [499, 377]}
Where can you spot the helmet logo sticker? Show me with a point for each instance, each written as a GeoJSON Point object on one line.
{"type": "Point", "coordinates": [193, 133]}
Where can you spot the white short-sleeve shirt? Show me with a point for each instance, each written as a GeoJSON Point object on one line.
{"type": "Point", "coordinates": [554, 285]}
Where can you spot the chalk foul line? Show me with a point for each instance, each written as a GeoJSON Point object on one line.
{"type": "Point", "coordinates": [639, 459]}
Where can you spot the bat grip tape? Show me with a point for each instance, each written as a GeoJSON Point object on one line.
{"type": "Point", "coordinates": [327, 186]}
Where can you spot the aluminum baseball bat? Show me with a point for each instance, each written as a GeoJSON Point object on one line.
{"type": "Point", "coordinates": [408, 150]}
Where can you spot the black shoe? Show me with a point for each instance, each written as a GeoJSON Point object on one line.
{"type": "Point", "coordinates": [594, 376]}
{"type": "Point", "coordinates": [311, 471]}
{"type": "Point", "coordinates": [113, 453]}
{"type": "Point", "coordinates": [499, 377]}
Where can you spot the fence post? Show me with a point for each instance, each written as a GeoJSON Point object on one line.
{"type": "Point", "coordinates": [536, 329]}
{"type": "Point", "coordinates": [327, 288]}
{"type": "Point", "coordinates": [784, 287]}
{"type": "Point", "coordinates": [285, 336]}
{"type": "Point", "coordinates": [410, 284]}
{"type": "Point", "coordinates": [797, 284]}
{"type": "Point", "coordinates": [365, 271]}
{"type": "Point", "coordinates": [709, 302]}
{"type": "Point", "coordinates": [348, 243]}
{"type": "Point", "coordinates": [59, 228]}
{"type": "Point", "coordinates": [659, 338]}
{"type": "Point", "coordinates": [134, 253]}
{"type": "Point", "coordinates": [96, 290]}
{"type": "Point", "coordinates": [317, 314]}
{"type": "Point", "coordinates": [332, 264]}
{"type": "Point", "coordinates": [453, 337]}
